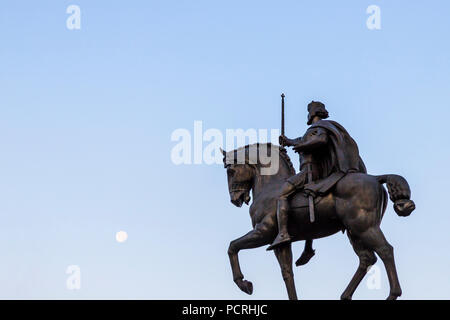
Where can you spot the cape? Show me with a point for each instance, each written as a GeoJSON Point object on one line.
{"type": "Point", "coordinates": [344, 152]}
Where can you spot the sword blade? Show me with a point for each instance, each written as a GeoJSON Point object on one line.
{"type": "Point", "coordinates": [311, 209]}
{"type": "Point", "coordinates": [310, 198]}
{"type": "Point", "coordinates": [282, 114]}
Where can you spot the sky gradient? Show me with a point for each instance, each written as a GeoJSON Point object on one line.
{"type": "Point", "coordinates": [86, 118]}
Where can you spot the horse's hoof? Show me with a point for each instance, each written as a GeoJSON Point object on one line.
{"type": "Point", "coordinates": [245, 286]}
{"type": "Point", "coordinates": [394, 294]}
{"type": "Point", "coordinates": [346, 297]}
{"type": "Point", "coordinates": [305, 257]}
{"type": "Point", "coordinates": [392, 297]}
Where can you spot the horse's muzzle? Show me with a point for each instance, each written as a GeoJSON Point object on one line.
{"type": "Point", "coordinates": [239, 197]}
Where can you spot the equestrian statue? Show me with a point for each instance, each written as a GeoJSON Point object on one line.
{"type": "Point", "coordinates": [332, 192]}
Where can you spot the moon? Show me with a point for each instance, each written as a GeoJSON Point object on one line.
{"type": "Point", "coordinates": [121, 236]}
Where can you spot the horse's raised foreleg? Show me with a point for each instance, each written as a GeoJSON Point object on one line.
{"type": "Point", "coordinates": [366, 258]}
{"type": "Point", "coordinates": [256, 238]}
{"type": "Point", "coordinates": [284, 256]}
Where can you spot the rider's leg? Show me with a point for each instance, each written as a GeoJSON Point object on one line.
{"type": "Point", "coordinates": [282, 215]}
{"type": "Point", "coordinates": [307, 254]}
{"type": "Point", "coordinates": [308, 245]}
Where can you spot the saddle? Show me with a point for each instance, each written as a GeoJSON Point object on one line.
{"type": "Point", "coordinates": [318, 189]}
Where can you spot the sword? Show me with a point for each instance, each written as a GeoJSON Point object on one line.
{"type": "Point", "coordinates": [282, 113]}
{"type": "Point", "coordinates": [309, 168]}
{"type": "Point", "coordinates": [310, 198]}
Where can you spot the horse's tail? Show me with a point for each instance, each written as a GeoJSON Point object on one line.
{"type": "Point", "coordinates": [399, 193]}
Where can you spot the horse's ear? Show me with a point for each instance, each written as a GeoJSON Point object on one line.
{"type": "Point", "coordinates": [224, 157]}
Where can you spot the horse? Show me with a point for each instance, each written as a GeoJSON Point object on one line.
{"type": "Point", "coordinates": [356, 204]}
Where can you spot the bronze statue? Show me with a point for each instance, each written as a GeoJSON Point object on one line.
{"type": "Point", "coordinates": [331, 193]}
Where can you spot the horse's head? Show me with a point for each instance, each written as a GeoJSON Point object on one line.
{"type": "Point", "coordinates": [246, 167]}
{"type": "Point", "coordinates": [240, 181]}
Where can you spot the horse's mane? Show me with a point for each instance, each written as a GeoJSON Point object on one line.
{"type": "Point", "coordinates": [281, 151]}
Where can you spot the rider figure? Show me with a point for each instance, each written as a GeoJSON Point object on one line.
{"type": "Point", "coordinates": [318, 159]}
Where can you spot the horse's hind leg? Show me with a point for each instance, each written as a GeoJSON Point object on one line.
{"type": "Point", "coordinates": [374, 239]}
{"type": "Point", "coordinates": [284, 256]}
{"type": "Point", "coordinates": [366, 259]}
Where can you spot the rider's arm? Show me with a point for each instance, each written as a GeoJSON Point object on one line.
{"type": "Point", "coordinates": [292, 142]}
{"type": "Point", "coordinates": [313, 138]}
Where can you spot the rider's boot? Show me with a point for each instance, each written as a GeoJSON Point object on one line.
{"type": "Point", "coordinates": [282, 217]}
{"type": "Point", "coordinates": [307, 254]}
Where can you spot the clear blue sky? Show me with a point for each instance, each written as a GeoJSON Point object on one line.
{"type": "Point", "coordinates": [86, 117]}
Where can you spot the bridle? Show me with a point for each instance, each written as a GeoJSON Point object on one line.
{"type": "Point", "coordinates": [241, 186]}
